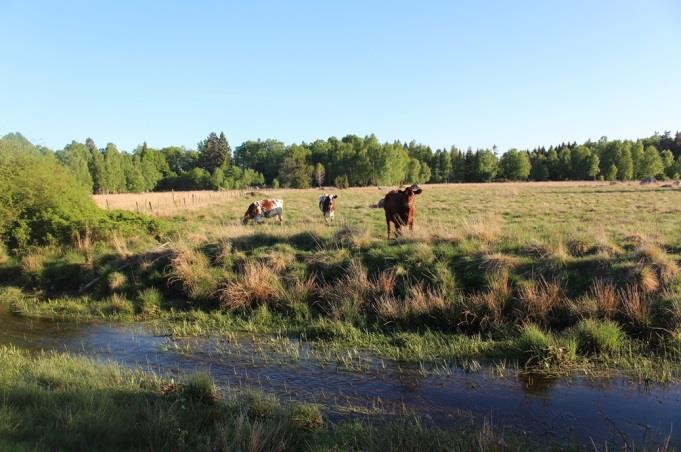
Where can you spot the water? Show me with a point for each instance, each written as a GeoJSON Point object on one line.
{"type": "Point", "coordinates": [577, 409]}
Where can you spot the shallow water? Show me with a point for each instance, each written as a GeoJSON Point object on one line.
{"type": "Point", "coordinates": [576, 409]}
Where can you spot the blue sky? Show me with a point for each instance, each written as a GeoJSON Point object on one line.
{"type": "Point", "coordinates": [468, 73]}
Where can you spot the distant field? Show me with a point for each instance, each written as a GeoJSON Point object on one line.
{"type": "Point", "coordinates": [165, 203]}
{"type": "Point", "coordinates": [520, 212]}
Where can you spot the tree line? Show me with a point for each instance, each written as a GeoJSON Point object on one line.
{"type": "Point", "coordinates": [359, 161]}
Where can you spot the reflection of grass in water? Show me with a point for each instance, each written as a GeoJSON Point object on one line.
{"type": "Point", "coordinates": [71, 403]}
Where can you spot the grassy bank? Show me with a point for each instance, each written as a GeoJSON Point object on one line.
{"type": "Point", "coordinates": [552, 278]}
{"type": "Point", "coordinates": [60, 402]}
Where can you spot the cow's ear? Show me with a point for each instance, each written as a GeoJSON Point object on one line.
{"type": "Point", "coordinates": [418, 191]}
{"type": "Point", "coordinates": [335, 196]}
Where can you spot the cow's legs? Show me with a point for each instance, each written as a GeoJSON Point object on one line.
{"type": "Point", "coordinates": [387, 221]}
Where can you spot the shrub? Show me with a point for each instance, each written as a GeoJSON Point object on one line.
{"type": "Point", "coordinates": [598, 336]}
{"type": "Point", "coordinates": [42, 203]}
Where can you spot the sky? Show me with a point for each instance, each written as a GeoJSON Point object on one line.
{"type": "Point", "coordinates": [465, 73]}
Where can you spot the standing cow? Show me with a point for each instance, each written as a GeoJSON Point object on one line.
{"type": "Point", "coordinates": [267, 208]}
{"type": "Point", "coordinates": [400, 208]}
{"type": "Point", "coordinates": [327, 204]}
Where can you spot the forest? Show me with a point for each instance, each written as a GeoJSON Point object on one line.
{"type": "Point", "coordinates": [356, 161]}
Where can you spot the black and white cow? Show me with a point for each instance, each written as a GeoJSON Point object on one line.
{"type": "Point", "coordinates": [327, 204]}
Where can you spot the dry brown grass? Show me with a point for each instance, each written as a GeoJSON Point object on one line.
{"type": "Point", "coordinates": [484, 228]}
{"type": "Point", "coordinates": [537, 299]}
{"type": "Point", "coordinates": [666, 268]}
{"type": "Point", "coordinates": [418, 302]}
{"type": "Point", "coordinates": [84, 245]}
{"type": "Point", "coordinates": [301, 290]}
{"type": "Point", "coordinates": [166, 203]}
{"type": "Point", "coordinates": [498, 262]}
{"type": "Point", "coordinates": [32, 262]}
{"type": "Point", "coordinates": [256, 284]}
{"type": "Point", "coordinates": [385, 282]}
{"type": "Point", "coordinates": [349, 295]}
{"type": "Point", "coordinates": [119, 245]}
{"type": "Point", "coordinates": [116, 281]}
{"type": "Point", "coordinates": [635, 306]}
{"type": "Point", "coordinates": [482, 311]}
{"type": "Point", "coordinates": [605, 295]}
{"type": "Point", "coordinates": [192, 270]}
{"type": "Point", "coordinates": [647, 279]}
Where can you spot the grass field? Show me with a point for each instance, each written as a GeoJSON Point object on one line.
{"type": "Point", "coordinates": [165, 203]}
{"type": "Point", "coordinates": [552, 278]}
{"type": "Point", "coordinates": [551, 272]}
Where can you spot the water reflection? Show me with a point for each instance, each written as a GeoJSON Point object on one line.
{"type": "Point", "coordinates": [573, 408]}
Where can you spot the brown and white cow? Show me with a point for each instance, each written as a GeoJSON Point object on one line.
{"type": "Point", "coordinates": [267, 208]}
{"type": "Point", "coordinates": [400, 208]}
{"type": "Point", "coordinates": [327, 204]}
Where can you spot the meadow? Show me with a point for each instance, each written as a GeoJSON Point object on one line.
{"type": "Point", "coordinates": [487, 263]}
{"type": "Point", "coordinates": [553, 278]}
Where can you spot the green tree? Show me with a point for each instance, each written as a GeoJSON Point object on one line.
{"type": "Point", "coordinates": [75, 157]}
{"type": "Point", "coordinates": [318, 174]}
{"type": "Point", "coordinates": [637, 152]}
{"type": "Point", "coordinates": [114, 174]}
{"type": "Point", "coordinates": [515, 165]}
{"type": "Point", "coordinates": [651, 163]}
{"type": "Point", "coordinates": [487, 166]}
{"type": "Point", "coordinates": [214, 152]}
{"type": "Point", "coordinates": [540, 170]}
{"type": "Point", "coordinates": [667, 162]}
{"type": "Point", "coordinates": [625, 164]}
{"type": "Point", "coordinates": [295, 172]}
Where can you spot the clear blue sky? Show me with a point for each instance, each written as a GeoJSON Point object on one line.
{"type": "Point", "coordinates": [469, 73]}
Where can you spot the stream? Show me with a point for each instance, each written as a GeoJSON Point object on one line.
{"type": "Point", "coordinates": [576, 409]}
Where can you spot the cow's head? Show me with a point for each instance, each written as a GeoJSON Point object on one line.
{"type": "Point", "coordinates": [328, 201]}
{"type": "Point", "coordinates": [413, 189]}
{"type": "Point", "coordinates": [253, 211]}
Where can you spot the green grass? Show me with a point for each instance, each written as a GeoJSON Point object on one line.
{"type": "Point", "coordinates": [594, 336]}
{"type": "Point", "coordinates": [53, 401]}
{"type": "Point", "coordinates": [482, 260]}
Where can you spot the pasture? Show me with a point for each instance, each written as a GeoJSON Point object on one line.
{"type": "Point", "coordinates": [553, 279]}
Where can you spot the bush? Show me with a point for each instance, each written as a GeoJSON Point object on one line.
{"type": "Point", "coordinates": [598, 336]}
{"type": "Point", "coordinates": [41, 202]}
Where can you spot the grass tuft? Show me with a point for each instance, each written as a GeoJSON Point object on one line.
{"type": "Point", "coordinates": [599, 336]}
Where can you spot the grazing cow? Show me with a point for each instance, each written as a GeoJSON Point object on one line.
{"type": "Point", "coordinates": [400, 208]}
{"type": "Point", "coordinates": [267, 208]}
{"type": "Point", "coordinates": [327, 205]}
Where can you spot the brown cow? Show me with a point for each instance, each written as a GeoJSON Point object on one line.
{"type": "Point", "coordinates": [400, 208]}
{"type": "Point", "coordinates": [267, 208]}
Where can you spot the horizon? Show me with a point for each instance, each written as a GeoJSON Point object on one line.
{"type": "Point", "coordinates": [464, 75]}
